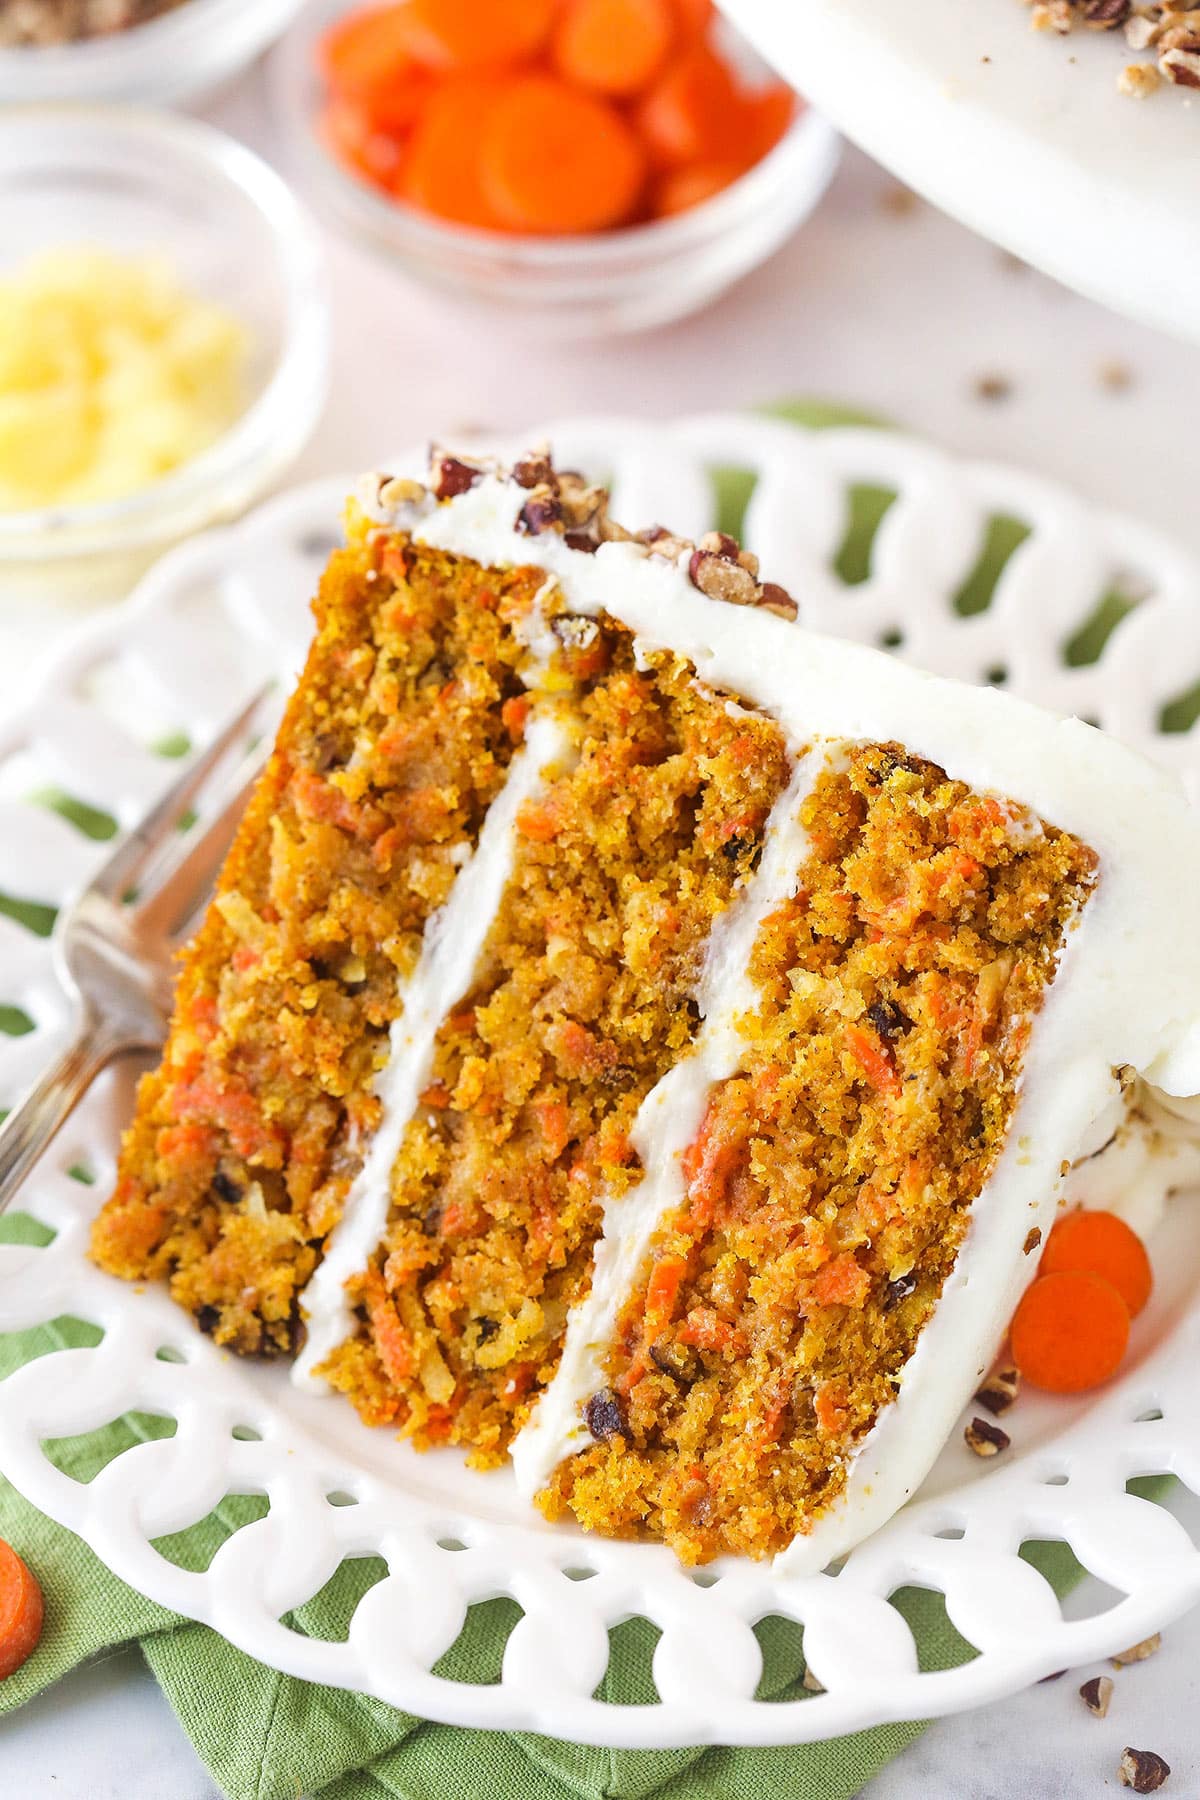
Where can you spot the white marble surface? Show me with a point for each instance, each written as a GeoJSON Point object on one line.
{"type": "Point", "coordinates": [898, 311]}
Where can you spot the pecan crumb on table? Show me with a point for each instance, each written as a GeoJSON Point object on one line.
{"type": "Point", "coordinates": [1168, 29]}
{"type": "Point", "coordinates": [1143, 1770]}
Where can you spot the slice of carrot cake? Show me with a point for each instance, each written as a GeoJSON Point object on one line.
{"type": "Point", "coordinates": [637, 1036]}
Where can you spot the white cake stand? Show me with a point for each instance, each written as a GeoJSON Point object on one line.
{"type": "Point", "coordinates": [1022, 135]}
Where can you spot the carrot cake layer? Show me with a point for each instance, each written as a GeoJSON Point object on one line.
{"type": "Point", "coordinates": [396, 743]}
{"type": "Point", "coordinates": [828, 1189]}
{"type": "Point", "coordinates": [640, 1037]}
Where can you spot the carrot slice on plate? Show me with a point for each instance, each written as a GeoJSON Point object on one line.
{"type": "Point", "coordinates": [21, 1612]}
{"type": "Point", "coordinates": [479, 34]}
{"type": "Point", "coordinates": [1101, 1244]}
{"type": "Point", "coordinates": [558, 160]}
{"type": "Point", "coordinates": [443, 171]}
{"type": "Point", "coordinates": [694, 112]}
{"type": "Point", "coordinates": [1070, 1332]}
{"type": "Point", "coordinates": [613, 46]}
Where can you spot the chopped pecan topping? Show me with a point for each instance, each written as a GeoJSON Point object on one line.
{"type": "Point", "coordinates": [1143, 1770]}
{"type": "Point", "coordinates": [772, 598]}
{"type": "Point", "coordinates": [541, 512]}
{"type": "Point", "coordinates": [452, 476]}
{"type": "Point", "coordinates": [1096, 1694]}
{"type": "Point", "coordinates": [534, 470]}
{"type": "Point", "coordinates": [718, 577]}
{"type": "Point", "coordinates": [985, 1439]}
{"type": "Point", "coordinates": [1032, 1239]}
{"type": "Point", "coordinates": [999, 1390]}
{"type": "Point", "coordinates": [1138, 1652]}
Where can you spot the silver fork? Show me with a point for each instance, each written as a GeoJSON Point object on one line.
{"type": "Point", "coordinates": [113, 947]}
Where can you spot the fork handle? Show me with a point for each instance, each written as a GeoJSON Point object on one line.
{"type": "Point", "coordinates": [35, 1120]}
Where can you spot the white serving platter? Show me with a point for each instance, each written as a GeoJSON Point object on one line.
{"type": "Point", "coordinates": [204, 628]}
{"type": "Point", "coordinates": [1022, 135]}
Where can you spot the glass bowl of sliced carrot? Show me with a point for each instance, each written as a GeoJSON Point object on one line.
{"type": "Point", "coordinates": [584, 165]}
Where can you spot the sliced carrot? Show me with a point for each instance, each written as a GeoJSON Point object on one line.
{"type": "Point", "coordinates": [22, 1612]}
{"type": "Point", "coordinates": [693, 113]}
{"type": "Point", "coordinates": [1102, 1244]}
{"type": "Point", "coordinates": [616, 47]}
{"type": "Point", "coordinates": [873, 1060]}
{"type": "Point", "coordinates": [362, 50]}
{"type": "Point", "coordinates": [768, 114]}
{"type": "Point", "coordinates": [1070, 1332]}
{"type": "Point", "coordinates": [842, 1282]}
{"type": "Point", "coordinates": [479, 34]}
{"type": "Point", "coordinates": [348, 132]}
{"type": "Point", "coordinates": [678, 190]}
{"type": "Point", "coordinates": [557, 160]}
{"type": "Point", "coordinates": [704, 1329]}
{"type": "Point", "coordinates": [692, 18]}
{"type": "Point", "coordinates": [443, 172]}
{"type": "Point", "coordinates": [662, 1292]}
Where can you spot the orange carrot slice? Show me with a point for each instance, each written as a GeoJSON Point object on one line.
{"type": "Point", "coordinates": [662, 1291]}
{"type": "Point", "coordinates": [479, 34]}
{"type": "Point", "coordinates": [557, 160]}
{"type": "Point", "coordinates": [1102, 1244]}
{"type": "Point", "coordinates": [22, 1612]}
{"type": "Point", "coordinates": [678, 190]}
{"type": "Point", "coordinates": [692, 18]}
{"type": "Point", "coordinates": [768, 114]}
{"type": "Point", "coordinates": [360, 52]}
{"type": "Point", "coordinates": [348, 132]}
{"type": "Point", "coordinates": [443, 173]}
{"type": "Point", "coordinates": [1070, 1332]}
{"type": "Point", "coordinates": [693, 113]}
{"type": "Point", "coordinates": [874, 1061]}
{"type": "Point", "coordinates": [615, 47]}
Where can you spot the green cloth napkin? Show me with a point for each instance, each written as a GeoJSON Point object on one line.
{"type": "Point", "coordinates": [267, 1736]}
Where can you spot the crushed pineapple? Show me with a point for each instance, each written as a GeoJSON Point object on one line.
{"type": "Point", "coordinates": [112, 373]}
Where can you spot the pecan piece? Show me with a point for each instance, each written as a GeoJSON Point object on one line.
{"type": "Point", "coordinates": [1181, 66]}
{"type": "Point", "coordinates": [775, 599]}
{"type": "Point", "coordinates": [999, 1390]}
{"type": "Point", "coordinates": [1032, 1240]}
{"type": "Point", "coordinates": [452, 476]}
{"type": "Point", "coordinates": [1096, 1695]}
{"type": "Point", "coordinates": [541, 512]}
{"type": "Point", "coordinates": [985, 1439]}
{"type": "Point", "coordinates": [1142, 1770]}
{"type": "Point", "coordinates": [1138, 1652]}
{"type": "Point", "coordinates": [720, 578]}
{"type": "Point", "coordinates": [534, 470]}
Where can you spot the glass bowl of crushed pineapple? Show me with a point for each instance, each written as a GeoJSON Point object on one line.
{"type": "Point", "coordinates": [163, 340]}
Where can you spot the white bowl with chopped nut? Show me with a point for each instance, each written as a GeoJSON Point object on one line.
{"type": "Point", "coordinates": [143, 50]}
{"type": "Point", "coordinates": [1037, 138]}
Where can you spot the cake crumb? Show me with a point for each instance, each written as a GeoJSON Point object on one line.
{"type": "Point", "coordinates": [1138, 1652]}
{"type": "Point", "coordinates": [993, 387]}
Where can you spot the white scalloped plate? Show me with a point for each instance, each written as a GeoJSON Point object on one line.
{"type": "Point", "coordinates": [204, 627]}
{"type": "Point", "coordinates": [1021, 134]}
